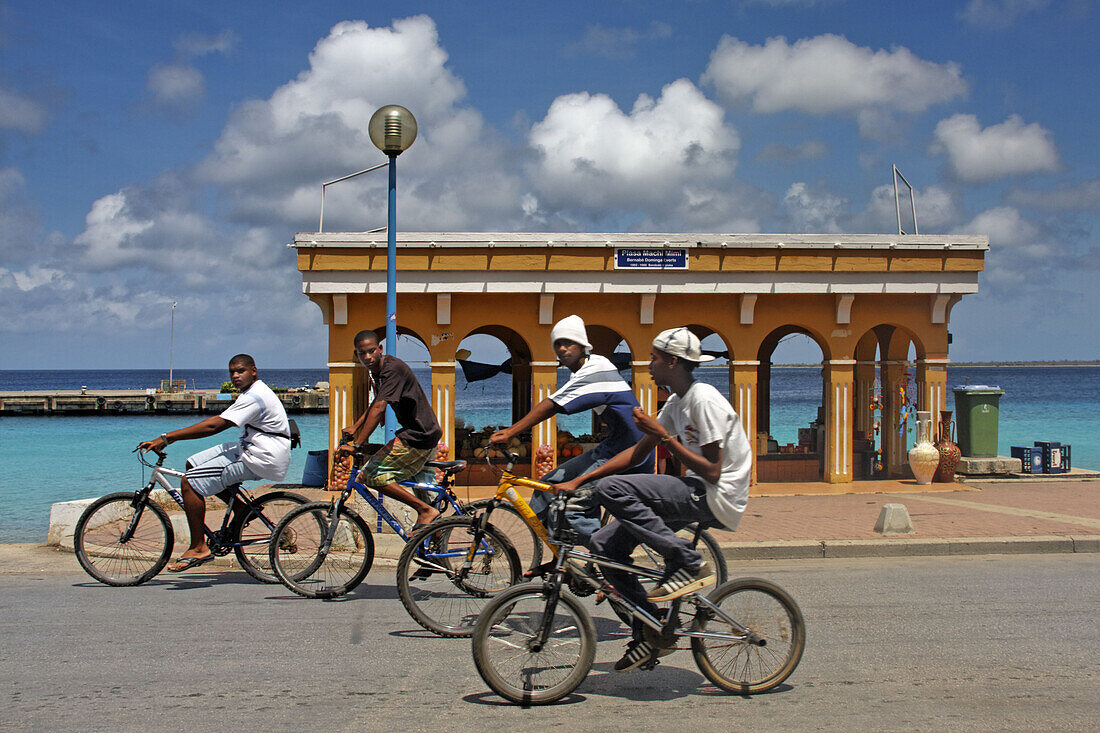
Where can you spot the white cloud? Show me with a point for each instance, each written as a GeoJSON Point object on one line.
{"type": "Point", "coordinates": [201, 44]}
{"type": "Point", "coordinates": [175, 87]}
{"type": "Point", "coordinates": [592, 155]}
{"type": "Point", "coordinates": [1009, 148]}
{"type": "Point", "coordinates": [616, 43]}
{"type": "Point", "coordinates": [999, 14]}
{"type": "Point", "coordinates": [273, 154]}
{"type": "Point", "coordinates": [813, 210]}
{"type": "Point", "coordinates": [828, 74]}
{"type": "Point", "coordinates": [1021, 254]}
{"type": "Point", "coordinates": [937, 211]}
{"type": "Point", "coordinates": [20, 112]}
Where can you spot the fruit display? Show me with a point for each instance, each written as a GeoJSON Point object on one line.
{"type": "Point", "coordinates": [442, 451]}
{"type": "Point", "coordinates": [544, 461]}
{"type": "Point", "coordinates": [341, 472]}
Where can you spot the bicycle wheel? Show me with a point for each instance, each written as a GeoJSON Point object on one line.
{"type": "Point", "coordinates": [295, 551]}
{"type": "Point", "coordinates": [434, 586]}
{"type": "Point", "coordinates": [101, 549]}
{"type": "Point", "coordinates": [508, 657]}
{"type": "Point", "coordinates": [743, 666]}
{"type": "Point", "coordinates": [505, 518]}
{"type": "Point", "coordinates": [253, 533]}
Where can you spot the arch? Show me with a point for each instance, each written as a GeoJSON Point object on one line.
{"type": "Point", "coordinates": [808, 462]}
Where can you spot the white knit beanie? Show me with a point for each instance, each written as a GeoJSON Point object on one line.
{"type": "Point", "coordinates": [570, 328]}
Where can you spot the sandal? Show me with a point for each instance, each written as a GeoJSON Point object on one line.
{"type": "Point", "coordinates": [190, 562]}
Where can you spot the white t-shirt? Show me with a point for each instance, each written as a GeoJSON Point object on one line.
{"type": "Point", "coordinates": [704, 416]}
{"type": "Point", "coordinates": [260, 414]}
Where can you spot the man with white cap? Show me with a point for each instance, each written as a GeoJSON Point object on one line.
{"type": "Point", "coordinates": [595, 385]}
{"type": "Point", "coordinates": [698, 427]}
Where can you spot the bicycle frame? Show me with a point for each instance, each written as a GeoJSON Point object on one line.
{"type": "Point", "coordinates": [213, 538]}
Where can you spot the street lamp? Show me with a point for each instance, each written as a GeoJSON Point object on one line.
{"type": "Point", "coordinates": [392, 129]}
{"type": "Point", "coordinates": [171, 342]}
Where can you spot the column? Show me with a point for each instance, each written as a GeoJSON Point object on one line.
{"type": "Point", "coordinates": [743, 399]}
{"type": "Point", "coordinates": [521, 390]}
{"type": "Point", "coordinates": [645, 389]}
{"type": "Point", "coordinates": [443, 400]}
{"type": "Point", "coordinates": [341, 402]}
{"type": "Point", "coordinates": [894, 449]}
{"type": "Point", "coordinates": [864, 392]}
{"type": "Point", "coordinates": [544, 382]}
{"type": "Point", "coordinates": [838, 421]}
{"type": "Point", "coordinates": [932, 386]}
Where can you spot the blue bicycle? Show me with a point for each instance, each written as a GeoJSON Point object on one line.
{"type": "Point", "coordinates": [325, 549]}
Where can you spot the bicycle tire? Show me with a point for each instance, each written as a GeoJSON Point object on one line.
{"type": "Point", "coordinates": [505, 518]}
{"type": "Point", "coordinates": [98, 533]}
{"type": "Point", "coordinates": [740, 666]}
{"type": "Point", "coordinates": [295, 551]}
{"type": "Point", "coordinates": [515, 671]}
{"type": "Point", "coordinates": [429, 587]}
{"type": "Point", "coordinates": [251, 535]}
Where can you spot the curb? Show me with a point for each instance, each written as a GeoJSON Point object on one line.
{"type": "Point", "coordinates": [907, 547]}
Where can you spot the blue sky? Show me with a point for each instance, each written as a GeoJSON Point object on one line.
{"type": "Point", "coordinates": [160, 152]}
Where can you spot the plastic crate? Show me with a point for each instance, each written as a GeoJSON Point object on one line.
{"type": "Point", "coordinates": [1031, 458]}
{"type": "Point", "coordinates": [1052, 455]}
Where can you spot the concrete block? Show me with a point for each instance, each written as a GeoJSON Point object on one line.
{"type": "Point", "coordinates": [894, 519]}
{"type": "Point", "coordinates": [999, 466]}
{"type": "Point", "coordinates": [63, 518]}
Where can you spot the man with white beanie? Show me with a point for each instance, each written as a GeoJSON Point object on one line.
{"type": "Point", "coordinates": [595, 385]}
{"type": "Point", "coordinates": [699, 428]}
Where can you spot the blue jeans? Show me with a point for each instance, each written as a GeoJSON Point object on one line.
{"type": "Point", "coordinates": [583, 514]}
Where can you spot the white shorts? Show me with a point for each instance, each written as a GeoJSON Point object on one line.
{"type": "Point", "coordinates": [218, 468]}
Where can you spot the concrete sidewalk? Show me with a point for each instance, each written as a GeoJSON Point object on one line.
{"type": "Point", "coordinates": [818, 520]}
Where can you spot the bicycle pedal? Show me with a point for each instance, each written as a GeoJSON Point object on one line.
{"type": "Point", "coordinates": [648, 666]}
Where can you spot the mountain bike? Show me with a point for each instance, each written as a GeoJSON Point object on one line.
{"type": "Point", "coordinates": [430, 593]}
{"type": "Point", "coordinates": [333, 548]}
{"type": "Point", "coordinates": [126, 538]}
{"type": "Point", "coordinates": [534, 643]}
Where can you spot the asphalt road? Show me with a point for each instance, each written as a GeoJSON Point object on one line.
{"type": "Point", "coordinates": [966, 643]}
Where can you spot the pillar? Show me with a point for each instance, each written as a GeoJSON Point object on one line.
{"type": "Point", "coordinates": [743, 399]}
{"type": "Point", "coordinates": [839, 379]}
{"type": "Point", "coordinates": [894, 448]}
{"type": "Point", "coordinates": [864, 392]}
{"type": "Point", "coordinates": [521, 389]}
{"type": "Point", "coordinates": [932, 386]}
{"type": "Point", "coordinates": [341, 401]}
{"type": "Point", "coordinates": [763, 396]}
{"type": "Point", "coordinates": [645, 389]}
{"type": "Point", "coordinates": [443, 400]}
{"type": "Point", "coordinates": [544, 382]}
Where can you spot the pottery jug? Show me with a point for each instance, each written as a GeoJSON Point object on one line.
{"type": "Point", "coordinates": [923, 457]}
{"type": "Point", "coordinates": [949, 451]}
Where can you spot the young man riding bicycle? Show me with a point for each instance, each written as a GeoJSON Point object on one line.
{"type": "Point", "coordinates": [594, 384]}
{"type": "Point", "coordinates": [262, 452]}
{"type": "Point", "coordinates": [699, 428]}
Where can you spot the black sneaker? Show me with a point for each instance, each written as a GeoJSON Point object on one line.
{"type": "Point", "coordinates": [638, 652]}
{"type": "Point", "coordinates": [681, 582]}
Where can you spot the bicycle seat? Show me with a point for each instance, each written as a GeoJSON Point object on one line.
{"type": "Point", "coordinates": [449, 467]}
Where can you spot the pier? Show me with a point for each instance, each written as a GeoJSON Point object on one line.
{"type": "Point", "coordinates": [39, 403]}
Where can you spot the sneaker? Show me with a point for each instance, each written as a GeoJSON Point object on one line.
{"type": "Point", "coordinates": [638, 652]}
{"type": "Point", "coordinates": [681, 582]}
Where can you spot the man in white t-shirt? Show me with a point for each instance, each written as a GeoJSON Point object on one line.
{"type": "Point", "coordinates": [699, 428]}
{"type": "Point", "coordinates": [262, 452]}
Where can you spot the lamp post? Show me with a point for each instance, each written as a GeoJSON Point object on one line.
{"type": "Point", "coordinates": [392, 129]}
{"type": "Point", "coordinates": [171, 342]}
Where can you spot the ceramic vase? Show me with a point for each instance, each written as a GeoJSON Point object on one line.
{"type": "Point", "coordinates": [949, 451]}
{"type": "Point", "coordinates": [923, 457]}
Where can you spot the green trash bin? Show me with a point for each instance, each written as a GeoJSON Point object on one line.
{"type": "Point", "coordinates": [976, 414]}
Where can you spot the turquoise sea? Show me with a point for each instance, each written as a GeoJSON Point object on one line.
{"type": "Point", "coordinates": [48, 459]}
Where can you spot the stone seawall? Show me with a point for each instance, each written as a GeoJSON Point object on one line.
{"type": "Point", "coordinates": [140, 402]}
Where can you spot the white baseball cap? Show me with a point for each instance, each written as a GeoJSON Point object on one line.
{"type": "Point", "coordinates": [682, 343]}
{"type": "Point", "coordinates": [570, 328]}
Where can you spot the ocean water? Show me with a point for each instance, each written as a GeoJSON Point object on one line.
{"type": "Point", "coordinates": [49, 459]}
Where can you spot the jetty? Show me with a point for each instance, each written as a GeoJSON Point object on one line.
{"type": "Point", "coordinates": [108, 402]}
